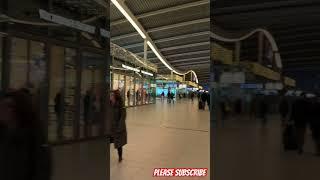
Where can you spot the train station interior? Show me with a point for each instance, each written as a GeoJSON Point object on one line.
{"type": "Point", "coordinates": [121, 87]}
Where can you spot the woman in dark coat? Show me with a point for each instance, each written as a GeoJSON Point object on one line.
{"type": "Point", "coordinates": [22, 151]}
{"type": "Point", "coordinates": [119, 129]}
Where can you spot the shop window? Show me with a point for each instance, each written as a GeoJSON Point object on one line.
{"type": "Point", "coordinates": [115, 81]}
{"type": "Point", "coordinates": [91, 85]}
{"type": "Point", "coordinates": [18, 63]}
{"type": "Point", "coordinates": [62, 93]}
{"type": "Point", "coordinates": [37, 64]}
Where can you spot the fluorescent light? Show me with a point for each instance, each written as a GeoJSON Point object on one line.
{"type": "Point", "coordinates": [124, 12]}
{"type": "Point", "coordinates": [130, 68]}
{"type": "Point", "coordinates": [146, 73]}
{"type": "Point", "coordinates": [158, 55]}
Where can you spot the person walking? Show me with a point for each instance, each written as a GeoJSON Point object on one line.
{"type": "Point", "coordinates": [192, 96]}
{"type": "Point", "coordinates": [22, 138]}
{"type": "Point", "coordinates": [284, 109]}
{"type": "Point", "coordinates": [118, 127]}
{"type": "Point", "coordinates": [203, 99]}
{"type": "Point", "coordinates": [263, 106]}
{"type": "Point", "coordinates": [58, 109]}
{"type": "Point", "coordinates": [299, 113]}
{"type": "Point", "coordinates": [162, 96]}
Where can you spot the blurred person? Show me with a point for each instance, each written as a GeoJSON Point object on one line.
{"type": "Point", "coordinates": [23, 155]}
{"type": "Point", "coordinates": [58, 109]}
{"type": "Point", "coordinates": [118, 125]}
{"type": "Point", "coordinates": [128, 97]}
{"type": "Point", "coordinates": [162, 96]}
{"type": "Point", "coordinates": [284, 109]}
{"type": "Point", "coordinates": [315, 124]}
{"type": "Point", "coordinates": [263, 110]}
{"type": "Point", "coordinates": [169, 97]}
{"type": "Point", "coordinates": [299, 113]}
{"type": "Point", "coordinates": [203, 99]}
{"type": "Point", "coordinates": [192, 96]}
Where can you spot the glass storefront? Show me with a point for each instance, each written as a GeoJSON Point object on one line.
{"type": "Point", "coordinates": [135, 90]}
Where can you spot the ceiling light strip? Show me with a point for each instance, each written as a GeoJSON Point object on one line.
{"type": "Point", "coordinates": [125, 13]}
{"type": "Point", "coordinates": [128, 16]}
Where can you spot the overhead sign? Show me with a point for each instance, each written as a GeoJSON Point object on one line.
{"type": "Point", "coordinates": [251, 86]}
{"type": "Point", "coordinates": [274, 86]}
{"type": "Point", "coordinates": [263, 71]}
{"type": "Point", "coordinates": [289, 82]}
{"type": "Point", "coordinates": [71, 23]}
{"type": "Point", "coordinates": [233, 77]}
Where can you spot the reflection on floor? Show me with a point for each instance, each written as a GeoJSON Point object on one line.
{"type": "Point", "coordinates": [163, 135]}
{"type": "Point", "coordinates": [246, 151]}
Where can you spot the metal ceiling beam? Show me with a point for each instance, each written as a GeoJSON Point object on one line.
{"type": "Point", "coordinates": [162, 28]}
{"type": "Point", "coordinates": [263, 7]}
{"type": "Point", "coordinates": [165, 10]}
{"type": "Point", "coordinates": [285, 60]}
{"type": "Point", "coordinates": [191, 59]}
{"type": "Point", "coordinates": [179, 47]}
{"type": "Point", "coordinates": [198, 59]}
{"type": "Point", "coordinates": [183, 54]}
{"type": "Point", "coordinates": [170, 39]}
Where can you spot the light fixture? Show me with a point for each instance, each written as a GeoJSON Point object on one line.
{"type": "Point", "coordinates": [124, 12]}
{"type": "Point", "coordinates": [146, 73]}
{"type": "Point", "coordinates": [130, 68]}
{"type": "Point", "coordinates": [159, 56]}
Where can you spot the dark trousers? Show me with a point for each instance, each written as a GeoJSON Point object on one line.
{"type": "Point", "coordinates": [120, 152]}
{"type": "Point", "coordinates": [301, 131]}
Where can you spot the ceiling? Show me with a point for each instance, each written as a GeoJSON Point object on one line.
{"type": "Point", "coordinates": [180, 30]}
{"type": "Point", "coordinates": [295, 26]}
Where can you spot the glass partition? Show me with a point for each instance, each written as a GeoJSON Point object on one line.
{"type": "Point", "coordinates": [38, 64]}
{"type": "Point", "coordinates": [91, 81]}
{"type": "Point", "coordinates": [62, 94]}
{"type": "Point", "coordinates": [18, 63]}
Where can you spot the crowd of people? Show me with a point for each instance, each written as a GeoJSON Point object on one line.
{"type": "Point", "coordinates": [298, 114]}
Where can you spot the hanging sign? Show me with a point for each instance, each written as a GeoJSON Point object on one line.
{"type": "Point", "coordinates": [71, 23]}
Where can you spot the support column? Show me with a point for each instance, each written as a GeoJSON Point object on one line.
{"type": "Point", "coordinates": [260, 47]}
{"type": "Point", "coordinates": [237, 52]}
{"type": "Point", "coordinates": [171, 77]}
{"type": "Point", "coordinates": [145, 50]}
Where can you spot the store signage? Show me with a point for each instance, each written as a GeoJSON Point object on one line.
{"type": "Point", "coordinates": [274, 86]}
{"type": "Point", "coordinates": [71, 23]}
{"type": "Point", "coordinates": [146, 73]}
{"type": "Point", "coordinates": [153, 85]}
{"type": "Point", "coordinates": [182, 86]}
{"type": "Point", "coordinates": [233, 77]}
{"type": "Point", "coordinates": [130, 68]}
{"type": "Point", "coordinates": [289, 82]}
{"type": "Point", "coordinates": [251, 86]}
{"type": "Point", "coordinates": [260, 70]}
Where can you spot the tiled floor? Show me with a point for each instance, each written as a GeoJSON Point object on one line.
{"type": "Point", "coordinates": [163, 135]}
{"type": "Point", "coordinates": [246, 151]}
